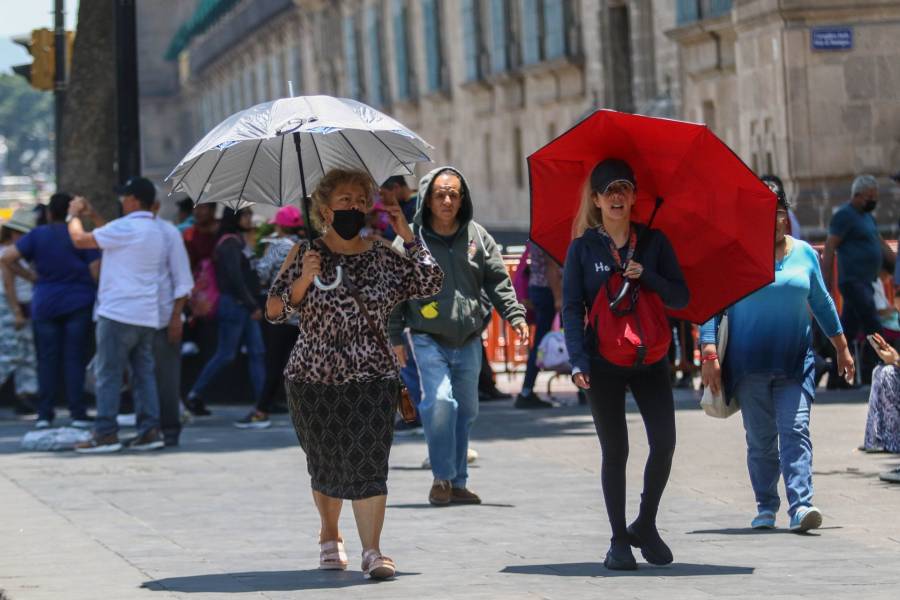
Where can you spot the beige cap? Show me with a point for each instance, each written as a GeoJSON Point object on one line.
{"type": "Point", "coordinates": [23, 220]}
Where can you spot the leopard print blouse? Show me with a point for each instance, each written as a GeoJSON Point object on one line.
{"type": "Point", "coordinates": [336, 344]}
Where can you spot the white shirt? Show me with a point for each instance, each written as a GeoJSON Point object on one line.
{"type": "Point", "coordinates": [134, 253]}
{"type": "Point", "coordinates": [175, 279]}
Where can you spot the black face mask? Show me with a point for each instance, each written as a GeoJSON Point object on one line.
{"type": "Point", "coordinates": [870, 205]}
{"type": "Point", "coordinates": [348, 223]}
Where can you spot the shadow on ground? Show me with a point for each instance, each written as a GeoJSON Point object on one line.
{"type": "Point", "coordinates": [593, 569]}
{"type": "Point", "coordinates": [261, 581]}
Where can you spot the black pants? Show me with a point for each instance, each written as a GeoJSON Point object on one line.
{"type": "Point", "coordinates": [859, 314]}
{"type": "Point", "coordinates": [653, 393]}
{"type": "Point", "coordinates": [279, 340]}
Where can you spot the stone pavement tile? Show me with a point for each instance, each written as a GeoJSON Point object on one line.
{"type": "Point", "coordinates": [230, 515]}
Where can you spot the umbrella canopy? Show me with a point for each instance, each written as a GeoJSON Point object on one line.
{"type": "Point", "coordinates": [252, 156]}
{"type": "Point", "coordinates": [718, 215]}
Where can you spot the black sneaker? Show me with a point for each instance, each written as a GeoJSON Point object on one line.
{"type": "Point", "coordinates": [150, 440]}
{"type": "Point", "coordinates": [196, 407]}
{"type": "Point", "coordinates": [620, 558]}
{"type": "Point", "coordinates": [495, 394]}
{"type": "Point", "coordinates": [254, 420]}
{"type": "Point", "coordinates": [653, 548]}
{"type": "Point", "coordinates": [531, 401]}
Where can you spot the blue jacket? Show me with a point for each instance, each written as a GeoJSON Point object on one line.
{"type": "Point", "coordinates": [589, 264]}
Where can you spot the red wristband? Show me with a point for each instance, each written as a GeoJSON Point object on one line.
{"type": "Point", "coordinates": [709, 358]}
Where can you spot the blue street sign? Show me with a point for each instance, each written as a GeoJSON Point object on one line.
{"type": "Point", "coordinates": [832, 38]}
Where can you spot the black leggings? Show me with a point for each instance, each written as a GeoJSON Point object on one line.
{"type": "Point", "coordinates": [653, 393]}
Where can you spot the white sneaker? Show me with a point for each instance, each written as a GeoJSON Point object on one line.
{"type": "Point", "coordinates": [81, 424]}
{"type": "Point", "coordinates": [42, 424]}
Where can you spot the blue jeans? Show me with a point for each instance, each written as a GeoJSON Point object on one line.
{"type": "Point", "coordinates": [62, 341]}
{"type": "Point", "coordinates": [119, 344]}
{"type": "Point", "coordinates": [235, 327]}
{"type": "Point", "coordinates": [544, 312]}
{"type": "Point", "coordinates": [449, 405]}
{"type": "Point", "coordinates": [776, 412]}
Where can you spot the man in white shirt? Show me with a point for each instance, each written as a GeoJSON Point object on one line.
{"type": "Point", "coordinates": [128, 313]}
{"type": "Point", "coordinates": [176, 283]}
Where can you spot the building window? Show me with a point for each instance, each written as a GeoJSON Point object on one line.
{"type": "Point", "coordinates": [689, 11]}
{"type": "Point", "coordinates": [375, 57]}
{"type": "Point", "coordinates": [499, 36]}
{"type": "Point", "coordinates": [295, 71]}
{"type": "Point", "coordinates": [352, 59]}
{"type": "Point", "coordinates": [401, 48]}
{"type": "Point", "coordinates": [544, 28]}
{"type": "Point", "coordinates": [709, 114]}
{"type": "Point", "coordinates": [471, 22]}
{"type": "Point", "coordinates": [260, 80]}
{"type": "Point", "coordinates": [276, 72]}
{"type": "Point", "coordinates": [554, 38]}
{"type": "Point", "coordinates": [433, 45]}
{"type": "Point", "coordinates": [531, 32]}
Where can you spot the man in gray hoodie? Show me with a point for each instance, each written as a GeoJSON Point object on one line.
{"type": "Point", "coordinates": [446, 329]}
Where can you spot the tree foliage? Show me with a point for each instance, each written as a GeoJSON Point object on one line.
{"type": "Point", "coordinates": [26, 121]}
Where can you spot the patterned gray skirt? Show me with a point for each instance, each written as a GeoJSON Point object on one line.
{"type": "Point", "coordinates": [346, 431]}
{"type": "Point", "coordinates": [883, 422]}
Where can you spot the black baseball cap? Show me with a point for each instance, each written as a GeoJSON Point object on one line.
{"type": "Point", "coordinates": [610, 171]}
{"type": "Point", "coordinates": [139, 187]}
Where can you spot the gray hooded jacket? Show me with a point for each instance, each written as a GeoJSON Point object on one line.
{"type": "Point", "coordinates": [472, 264]}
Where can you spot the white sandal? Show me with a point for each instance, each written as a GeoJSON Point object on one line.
{"type": "Point", "coordinates": [332, 556]}
{"type": "Point", "coordinates": [377, 566]}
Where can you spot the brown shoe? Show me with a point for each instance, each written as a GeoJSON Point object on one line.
{"type": "Point", "coordinates": [99, 445]}
{"type": "Point", "coordinates": [150, 440]}
{"type": "Point", "coordinates": [441, 493]}
{"type": "Point", "coordinates": [464, 496]}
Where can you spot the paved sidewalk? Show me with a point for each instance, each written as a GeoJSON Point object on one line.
{"type": "Point", "coordinates": [229, 515]}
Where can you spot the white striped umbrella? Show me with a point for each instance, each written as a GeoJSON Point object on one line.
{"type": "Point", "coordinates": [274, 152]}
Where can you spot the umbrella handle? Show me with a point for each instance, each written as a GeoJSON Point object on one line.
{"type": "Point", "coordinates": [328, 287]}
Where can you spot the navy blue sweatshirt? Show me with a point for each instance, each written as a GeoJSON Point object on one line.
{"type": "Point", "coordinates": [589, 263]}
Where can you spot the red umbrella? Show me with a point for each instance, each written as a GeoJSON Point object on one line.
{"type": "Point", "coordinates": [718, 215]}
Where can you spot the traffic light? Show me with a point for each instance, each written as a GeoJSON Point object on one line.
{"type": "Point", "coordinates": [41, 72]}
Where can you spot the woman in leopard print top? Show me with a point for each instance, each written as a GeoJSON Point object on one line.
{"type": "Point", "coordinates": [342, 382]}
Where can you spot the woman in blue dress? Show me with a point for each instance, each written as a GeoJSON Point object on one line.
{"type": "Point", "coordinates": [769, 368]}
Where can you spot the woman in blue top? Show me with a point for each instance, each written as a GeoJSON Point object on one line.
{"type": "Point", "coordinates": [770, 369]}
{"type": "Point", "coordinates": [61, 306]}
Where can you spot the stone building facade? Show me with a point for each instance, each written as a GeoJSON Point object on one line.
{"type": "Point", "coordinates": [806, 89]}
{"type": "Point", "coordinates": [489, 81]}
{"type": "Point", "coordinates": [486, 82]}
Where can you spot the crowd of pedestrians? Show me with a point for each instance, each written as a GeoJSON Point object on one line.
{"type": "Point", "coordinates": [395, 292]}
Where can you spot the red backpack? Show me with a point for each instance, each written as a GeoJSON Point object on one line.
{"type": "Point", "coordinates": [204, 298]}
{"type": "Point", "coordinates": [630, 324]}
{"type": "Point", "coordinates": [634, 332]}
